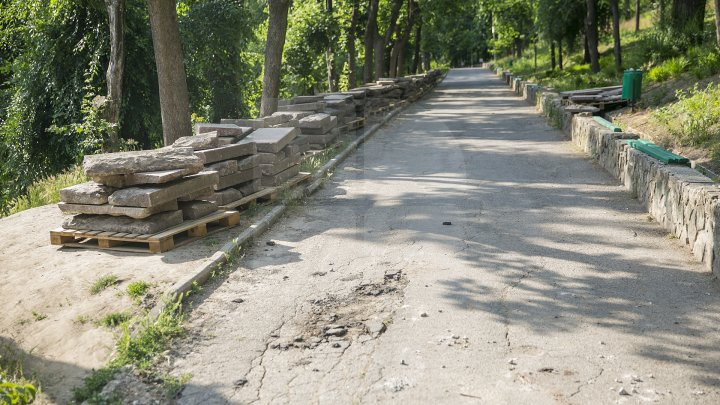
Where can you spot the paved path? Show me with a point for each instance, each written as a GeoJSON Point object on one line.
{"type": "Point", "coordinates": [551, 285]}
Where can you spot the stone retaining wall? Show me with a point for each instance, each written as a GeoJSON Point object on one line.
{"type": "Point", "coordinates": [681, 199]}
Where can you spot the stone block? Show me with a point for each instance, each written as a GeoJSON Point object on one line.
{"type": "Point", "coordinates": [201, 194]}
{"type": "Point", "coordinates": [251, 123]}
{"type": "Point", "coordinates": [280, 178]}
{"type": "Point", "coordinates": [198, 142]}
{"type": "Point", "coordinates": [293, 115]}
{"type": "Point", "coordinates": [107, 209]}
{"type": "Point", "coordinates": [325, 139]}
{"type": "Point", "coordinates": [224, 129]}
{"type": "Point", "coordinates": [280, 165]}
{"type": "Point", "coordinates": [248, 162]}
{"type": "Point", "coordinates": [197, 209]}
{"type": "Point", "coordinates": [226, 196]}
{"type": "Point", "coordinates": [303, 107]}
{"type": "Point", "coordinates": [274, 120]}
{"type": "Point", "coordinates": [242, 148]}
{"type": "Point", "coordinates": [106, 223]}
{"type": "Point", "coordinates": [272, 140]}
{"type": "Point", "coordinates": [238, 178]}
{"type": "Point", "coordinates": [250, 187]}
{"type": "Point", "coordinates": [226, 140]}
{"type": "Point", "coordinates": [141, 161]}
{"type": "Point", "coordinates": [225, 167]}
{"type": "Point", "coordinates": [86, 193]}
{"type": "Point", "coordinates": [147, 196]}
{"type": "Point", "coordinates": [128, 180]}
{"type": "Point", "coordinates": [305, 99]}
{"type": "Point", "coordinates": [320, 120]}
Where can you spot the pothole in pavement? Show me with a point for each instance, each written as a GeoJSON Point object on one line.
{"type": "Point", "coordinates": [335, 321]}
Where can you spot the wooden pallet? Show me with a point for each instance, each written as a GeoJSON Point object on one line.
{"type": "Point", "coordinates": [266, 194]}
{"type": "Point", "coordinates": [164, 241]}
{"type": "Point", "coordinates": [355, 124]}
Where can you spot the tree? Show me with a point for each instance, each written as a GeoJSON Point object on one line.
{"type": "Point", "coordinates": [592, 35]}
{"type": "Point", "coordinates": [418, 40]}
{"type": "Point", "coordinates": [172, 82]}
{"type": "Point", "coordinates": [369, 40]}
{"type": "Point", "coordinates": [115, 69]}
{"type": "Point", "coordinates": [637, 15]}
{"type": "Point", "coordinates": [330, 53]}
{"type": "Point", "coordinates": [384, 41]}
{"type": "Point", "coordinates": [277, 28]}
{"type": "Point", "coordinates": [351, 34]}
{"type": "Point", "coordinates": [614, 7]}
{"type": "Point", "coordinates": [397, 55]}
{"type": "Point", "coordinates": [717, 21]}
{"type": "Point", "coordinates": [687, 18]}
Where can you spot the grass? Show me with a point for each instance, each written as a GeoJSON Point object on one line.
{"type": "Point", "coordinates": [114, 319]}
{"type": "Point", "coordinates": [694, 119]}
{"type": "Point", "coordinates": [103, 283]}
{"type": "Point", "coordinates": [47, 191]}
{"type": "Point", "coordinates": [37, 316]}
{"type": "Point", "coordinates": [318, 160]}
{"type": "Point", "coordinates": [15, 388]}
{"type": "Point", "coordinates": [138, 289]}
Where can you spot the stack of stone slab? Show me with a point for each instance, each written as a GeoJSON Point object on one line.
{"type": "Point", "coordinates": [278, 156]}
{"type": "Point", "coordinates": [320, 130]}
{"type": "Point", "coordinates": [236, 163]}
{"type": "Point", "coordinates": [342, 107]}
{"type": "Point", "coordinates": [302, 103]}
{"type": "Point", "coordinates": [142, 192]}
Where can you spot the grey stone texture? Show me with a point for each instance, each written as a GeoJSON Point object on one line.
{"type": "Point", "coordinates": [250, 123]}
{"type": "Point", "coordinates": [141, 161]}
{"type": "Point", "coordinates": [201, 194]}
{"type": "Point", "coordinates": [134, 179]}
{"type": "Point", "coordinates": [272, 140]}
{"type": "Point", "coordinates": [224, 129]}
{"type": "Point", "coordinates": [238, 178]}
{"type": "Point", "coordinates": [150, 196]}
{"type": "Point", "coordinates": [197, 209]}
{"type": "Point", "coordinates": [248, 162]}
{"type": "Point", "coordinates": [86, 193]}
{"type": "Point", "coordinates": [226, 196]}
{"type": "Point", "coordinates": [280, 178]}
{"type": "Point", "coordinates": [201, 141]}
{"type": "Point", "coordinates": [293, 115]}
{"type": "Point", "coordinates": [316, 121]}
{"type": "Point", "coordinates": [250, 187]}
{"type": "Point", "coordinates": [106, 223]}
{"type": "Point", "coordinates": [107, 209]}
{"type": "Point", "coordinates": [242, 148]}
{"type": "Point", "coordinates": [225, 167]}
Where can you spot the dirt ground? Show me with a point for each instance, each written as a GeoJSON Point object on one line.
{"type": "Point", "coordinates": [49, 318]}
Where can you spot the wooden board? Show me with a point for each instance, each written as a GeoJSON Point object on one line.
{"type": "Point", "coordinates": [160, 242]}
{"type": "Point", "coordinates": [266, 194]}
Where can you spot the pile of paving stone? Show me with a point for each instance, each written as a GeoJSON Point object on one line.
{"type": "Point", "coordinates": [278, 153]}
{"type": "Point", "coordinates": [226, 149]}
{"type": "Point", "coordinates": [319, 129]}
{"type": "Point", "coordinates": [142, 192]}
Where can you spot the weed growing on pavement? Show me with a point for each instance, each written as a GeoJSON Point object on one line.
{"type": "Point", "coordinates": [138, 289]}
{"type": "Point", "coordinates": [102, 283]}
{"type": "Point", "coordinates": [38, 316]}
{"type": "Point", "coordinates": [114, 319]}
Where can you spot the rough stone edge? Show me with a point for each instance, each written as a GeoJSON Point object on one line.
{"type": "Point", "coordinates": [688, 209]}
{"type": "Point", "coordinates": [203, 272]}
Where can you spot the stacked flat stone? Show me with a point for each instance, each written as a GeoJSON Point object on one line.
{"type": "Point", "coordinates": [278, 156]}
{"type": "Point", "coordinates": [320, 130]}
{"type": "Point", "coordinates": [342, 107]}
{"type": "Point", "coordinates": [141, 192]}
{"type": "Point", "coordinates": [236, 163]}
{"type": "Point", "coordinates": [312, 104]}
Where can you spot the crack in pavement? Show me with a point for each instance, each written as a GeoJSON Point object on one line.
{"type": "Point", "coordinates": [587, 382]}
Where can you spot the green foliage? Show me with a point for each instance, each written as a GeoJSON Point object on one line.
{"type": "Point", "coordinates": [93, 384]}
{"type": "Point", "coordinates": [138, 289]}
{"type": "Point", "coordinates": [705, 61]}
{"type": "Point", "coordinates": [694, 119]}
{"type": "Point", "coordinates": [140, 347]}
{"type": "Point", "coordinates": [669, 69]}
{"type": "Point", "coordinates": [102, 283]}
{"type": "Point", "coordinates": [114, 319]}
{"type": "Point", "coordinates": [38, 316]}
{"type": "Point", "coordinates": [47, 191]}
{"type": "Point", "coordinates": [14, 387]}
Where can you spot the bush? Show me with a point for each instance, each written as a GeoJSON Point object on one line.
{"type": "Point", "coordinates": [705, 61]}
{"type": "Point", "coordinates": [47, 191]}
{"type": "Point", "coordinates": [695, 118]}
{"type": "Point", "coordinates": [670, 69]}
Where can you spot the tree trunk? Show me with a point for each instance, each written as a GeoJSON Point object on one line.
{"type": "Point", "coordinates": [385, 42]}
{"type": "Point", "coordinates": [174, 102]}
{"type": "Point", "coordinates": [370, 35]}
{"type": "Point", "coordinates": [614, 7]}
{"type": "Point", "coordinates": [687, 17]}
{"type": "Point", "coordinates": [586, 53]}
{"type": "Point", "coordinates": [418, 39]}
{"type": "Point", "coordinates": [552, 55]}
{"type": "Point", "coordinates": [592, 35]}
{"type": "Point", "coordinates": [277, 27]}
{"type": "Point", "coordinates": [626, 10]}
{"type": "Point", "coordinates": [637, 15]}
{"type": "Point", "coordinates": [330, 54]}
{"type": "Point", "coordinates": [115, 69]}
{"type": "Point", "coordinates": [560, 55]}
{"type": "Point", "coordinates": [397, 55]}
{"type": "Point", "coordinates": [426, 61]}
{"type": "Point", "coordinates": [717, 22]}
{"type": "Point", "coordinates": [352, 54]}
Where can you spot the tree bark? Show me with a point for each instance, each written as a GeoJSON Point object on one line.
{"type": "Point", "coordinates": [637, 15]}
{"type": "Point", "coordinates": [370, 35]}
{"type": "Point", "coordinates": [352, 54]}
{"type": "Point", "coordinates": [115, 69]}
{"type": "Point", "coordinates": [418, 39]}
{"type": "Point", "coordinates": [560, 55]}
{"type": "Point", "coordinates": [397, 55]}
{"type": "Point", "coordinates": [615, 8]}
{"type": "Point", "coordinates": [174, 101]}
{"type": "Point", "coordinates": [586, 53]}
{"type": "Point", "coordinates": [277, 28]}
{"type": "Point", "coordinates": [426, 61]}
{"type": "Point", "coordinates": [592, 35]}
{"type": "Point", "coordinates": [384, 42]}
{"type": "Point", "coordinates": [626, 10]}
{"type": "Point", "coordinates": [330, 54]}
{"type": "Point", "coordinates": [552, 55]}
{"type": "Point", "coordinates": [717, 22]}
{"type": "Point", "coordinates": [687, 17]}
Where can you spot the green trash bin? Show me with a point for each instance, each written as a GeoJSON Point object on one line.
{"type": "Point", "coordinates": [632, 85]}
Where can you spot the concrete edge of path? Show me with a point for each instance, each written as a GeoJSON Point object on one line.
{"type": "Point", "coordinates": [203, 272]}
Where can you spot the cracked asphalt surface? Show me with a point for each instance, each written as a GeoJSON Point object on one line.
{"type": "Point", "coordinates": [550, 285]}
